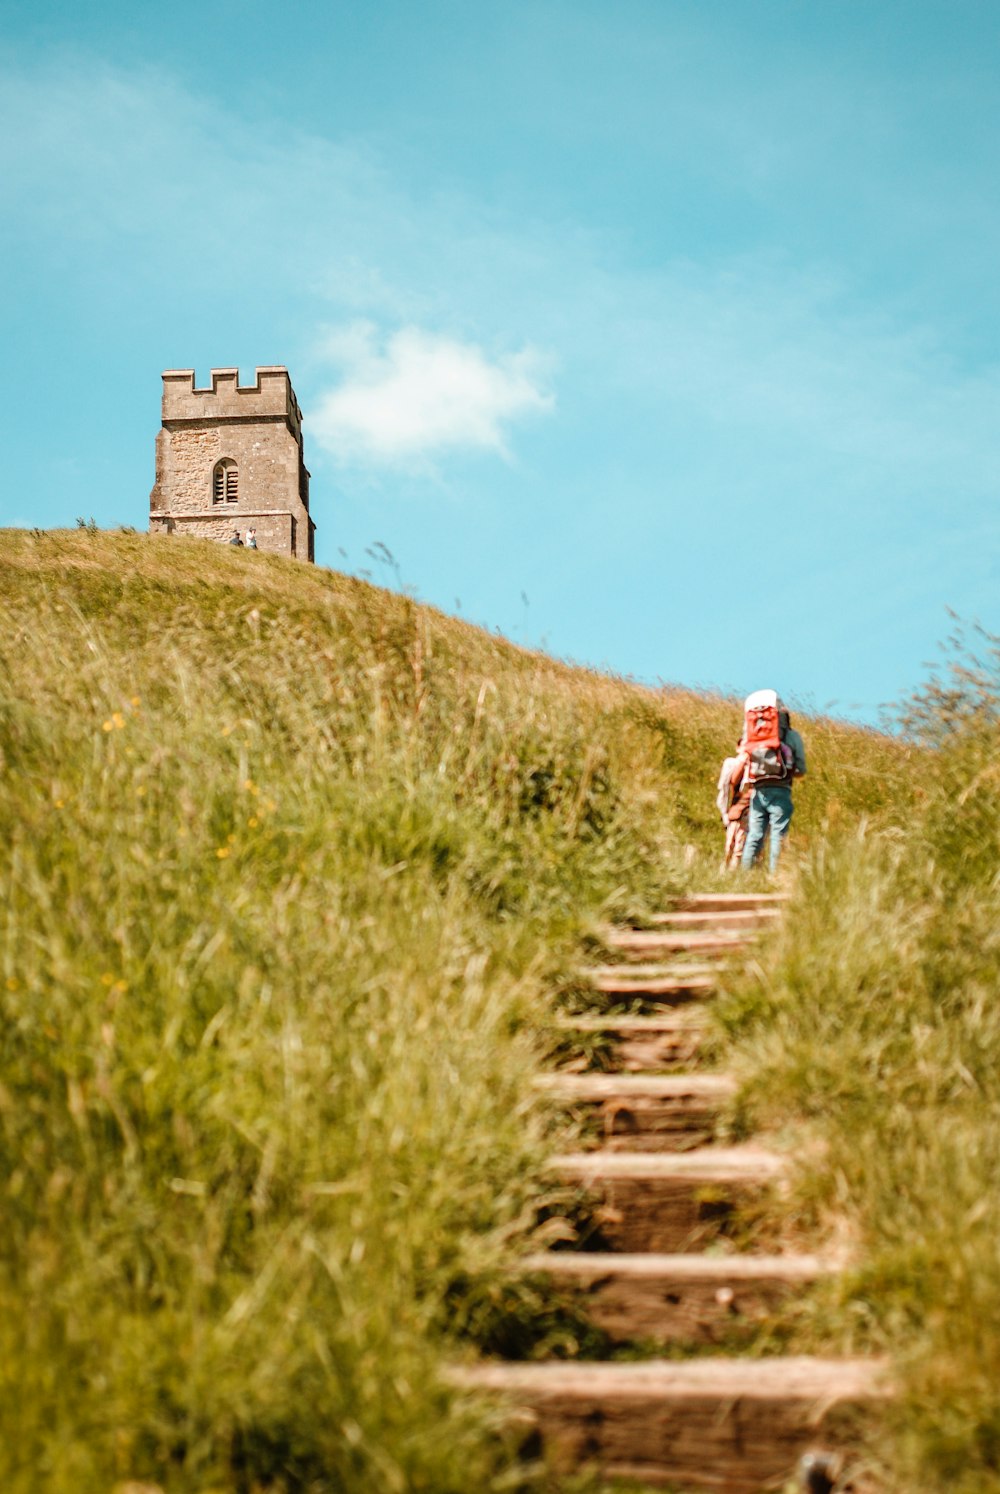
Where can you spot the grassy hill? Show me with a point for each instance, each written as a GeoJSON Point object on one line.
{"type": "Point", "coordinates": [289, 866]}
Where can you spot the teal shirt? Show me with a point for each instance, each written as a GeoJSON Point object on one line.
{"type": "Point", "coordinates": [794, 741]}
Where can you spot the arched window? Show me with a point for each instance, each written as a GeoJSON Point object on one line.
{"type": "Point", "coordinates": [226, 482]}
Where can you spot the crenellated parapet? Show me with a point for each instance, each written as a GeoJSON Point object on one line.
{"type": "Point", "coordinates": [270, 397]}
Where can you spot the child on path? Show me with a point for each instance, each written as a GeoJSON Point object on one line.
{"type": "Point", "coordinates": [733, 801]}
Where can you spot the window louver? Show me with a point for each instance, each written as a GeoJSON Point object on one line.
{"type": "Point", "coordinates": [226, 483]}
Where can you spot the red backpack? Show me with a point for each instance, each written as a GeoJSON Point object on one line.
{"type": "Point", "coordinates": [769, 758]}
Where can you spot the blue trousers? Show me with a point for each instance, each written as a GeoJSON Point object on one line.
{"type": "Point", "coordinates": [771, 805]}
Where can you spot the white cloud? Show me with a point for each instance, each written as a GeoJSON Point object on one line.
{"type": "Point", "coordinates": [417, 395]}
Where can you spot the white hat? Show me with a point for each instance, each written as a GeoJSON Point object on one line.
{"type": "Point", "coordinates": [759, 699]}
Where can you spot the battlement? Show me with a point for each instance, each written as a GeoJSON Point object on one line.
{"type": "Point", "coordinates": [271, 397]}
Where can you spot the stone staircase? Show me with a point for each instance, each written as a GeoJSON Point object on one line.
{"type": "Point", "coordinates": [670, 1259]}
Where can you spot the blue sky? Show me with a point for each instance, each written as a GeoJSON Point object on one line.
{"type": "Point", "coordinates": [661, 333]}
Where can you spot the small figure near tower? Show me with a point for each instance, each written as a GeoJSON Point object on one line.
{"type": "Point", "coordinates": [231, 455]}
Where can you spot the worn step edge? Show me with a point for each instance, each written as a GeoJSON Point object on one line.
{"type": "Point", "coordinates": [735, 1164]}
{"type": "Point", "coordinates": [673, 971]}
{"type": "Point", "coordinates": [598, 1088]}
{"type": "Point", "coordinates": [803, 1378]}
{"type": "Point", "coordinates": [680, 986]}
{"type": "Point", "coordinates": [656, 986]}
{"type": "Point", "coordinates": [686, 1021]}
{"type": "Point", "coordinates": [715, 901]}
{"type": "Point", "coordinates": [642, 940]}
{"type": "Point", "coordinates": [715, 1270]}
{"type": "Point", "coordinates": [715, 918]}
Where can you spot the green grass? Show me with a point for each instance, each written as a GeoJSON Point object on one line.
{"type": "Point", "coordinates": [876, 1025]}
{"type": "Point", "coordinates": [290, 870]}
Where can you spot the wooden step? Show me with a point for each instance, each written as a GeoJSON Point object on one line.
{"type": "Point", "coordinates": [644, 1112]}
{"type": "Point", "coordinates": [639, 942]}
{"type": "Point", "coordinates": [650, 970]}
{"type": "Point", "coordinates": [734, 1426]}
{"type": "Point", "coordinates": [673, 987]}
{"type": "Point", "coordinates": [668, 1202]}
{"type": "Point", "coordinates": [676, 1298]}
{"type": "Point", "coordinates": [750, 919]}
{"type": "Point", "coordinates": [725, 902]}
{"type": "Point", "coordinates": [639, 1044]}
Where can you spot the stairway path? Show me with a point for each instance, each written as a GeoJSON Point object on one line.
{"type": "Point", "coordinates": [658, 1266]}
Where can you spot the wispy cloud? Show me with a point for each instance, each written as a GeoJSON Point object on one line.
{"type": "Point", "coordinates": [415, 395]}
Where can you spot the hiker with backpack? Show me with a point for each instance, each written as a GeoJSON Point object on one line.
{"type": "Point", "coordinates": [775, 757]}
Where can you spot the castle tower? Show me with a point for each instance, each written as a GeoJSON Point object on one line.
{"type": "Point", "coordinates": [230, 457]}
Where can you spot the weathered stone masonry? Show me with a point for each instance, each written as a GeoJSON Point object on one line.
{"type": "Point", "coordinates": [230, 456]}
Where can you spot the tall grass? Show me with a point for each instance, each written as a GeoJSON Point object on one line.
{"type": "Point", "coordinates": [877, 1023]}
{"type": "Point", "coordinates": [285, 862]}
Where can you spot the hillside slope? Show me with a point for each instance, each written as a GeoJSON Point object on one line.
{"type": "Point", "coordinates": [285, 864]}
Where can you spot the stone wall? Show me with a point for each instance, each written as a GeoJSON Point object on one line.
{"type": "Point", "coordinates": [275, 532]}
{"type": "Point", "coordinates": [267, 457]}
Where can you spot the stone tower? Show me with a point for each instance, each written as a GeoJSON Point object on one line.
{"type": "Point", "coordinates": [230, 457]}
